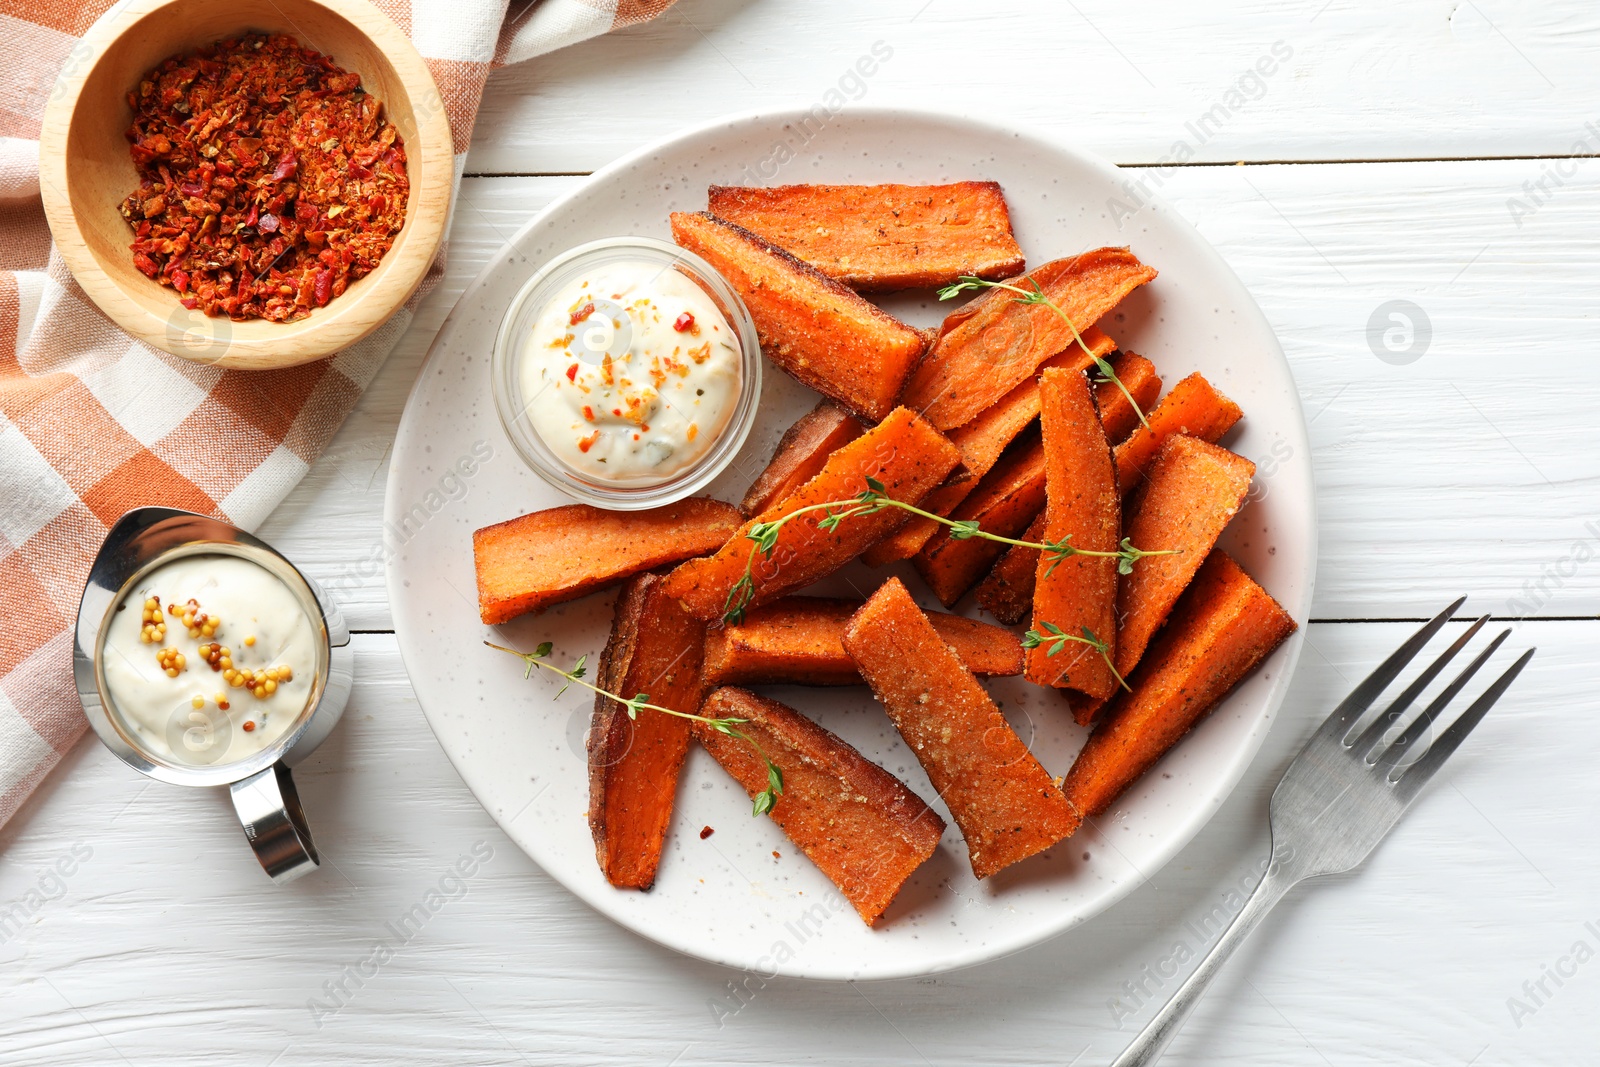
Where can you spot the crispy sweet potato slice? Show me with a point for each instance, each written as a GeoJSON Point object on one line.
{"type": "Point", "coordinates": [1006, 804]}
{"type": "Point", "coordinates": [797, 641]}
{"type": "Point", "coordinates": [989, 346]}
{"type": "Point", "coordinates": [656, 649]}
{"type": "Point", "coordinates": [1116, 414]}
{"type": "Point", "coordinates": [861, 825]}
{"type": "Point", "coordinates": [813, 327]}
{"type": "Point", "coordinates": [1007, 591]}
{"type": "Point", "coordinates": [1191, 492]}
{"type": "Point", "coordinates": [903, 452]}
{"type": "Point", "coordinates": [1082, 506]}
{"type": "Point", "coordinates": [982, 441]}
{"type": "Point", "coordinates": [881, 237]}
{"type": "Point", "coordinates": [1004, 503]}
{"type": "Point", "coordinates": [1194, 408]}
{"type": "Point", "coordinates": [563, 553]}
{"type": "Point", "coordinates": [1224, 625]}
{"type": "Point", "coordinates": [801, 454]}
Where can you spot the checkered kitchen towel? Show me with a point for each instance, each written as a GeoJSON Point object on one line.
{"type": "Point", "coordinates": [93, 423]}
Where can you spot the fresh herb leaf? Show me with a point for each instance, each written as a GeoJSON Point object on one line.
{"type": "Point", "coordinates": [641, 702]}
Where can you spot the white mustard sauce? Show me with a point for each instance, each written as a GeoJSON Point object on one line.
{"type": "Point", "coordinates": [222, 687]}
{"type": "Point", "coordinates": [630, 373]}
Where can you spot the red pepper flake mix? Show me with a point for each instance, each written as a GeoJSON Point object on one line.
{"type": "Point", "coordinates": [705, 832]}
{"type": "Point", "coordinates": [269, 179]}
{"type": "Point", "coordinates": [684, 322]}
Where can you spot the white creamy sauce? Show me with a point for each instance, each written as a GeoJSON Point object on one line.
{"type": "Point", "coordinates": [205, 714]}
{"type": "Point", "coordinates": [631, 373]}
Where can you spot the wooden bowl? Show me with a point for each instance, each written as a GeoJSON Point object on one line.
{"type": "Point", "coordinates": [86, 171]}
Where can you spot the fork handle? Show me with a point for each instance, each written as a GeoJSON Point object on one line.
{"type": "Point", "coordinates": [1153, 1039]}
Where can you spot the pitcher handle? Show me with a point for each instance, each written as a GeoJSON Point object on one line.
{"type": "Point", "coordinates": [269, 809]}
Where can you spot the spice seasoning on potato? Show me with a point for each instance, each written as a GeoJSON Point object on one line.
{"type": "Point", "coordinates": [1006, 804]}
{"type": "Point", "coordinates": [862, 826]}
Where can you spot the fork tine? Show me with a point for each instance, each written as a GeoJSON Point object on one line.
{"type": "Point", "coordinates": [1418, 773]}
{"type": "Point", "coordinates": [1417, 729]}
{"type": "Point", "coordinates": [1352, 707]}
{"type": "Point", "coordinates": [1392, 713]}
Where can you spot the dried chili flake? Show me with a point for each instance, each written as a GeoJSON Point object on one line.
{"type": "Point", "coordinates": [269, 179]}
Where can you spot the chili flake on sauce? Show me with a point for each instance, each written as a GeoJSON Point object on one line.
{"type": "Point", "coordinates": [269, 179]}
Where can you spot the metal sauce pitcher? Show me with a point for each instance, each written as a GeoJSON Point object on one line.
{"type": "Point", "coordinates": [263, 791]}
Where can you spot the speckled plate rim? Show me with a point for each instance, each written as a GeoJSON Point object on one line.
{"type": "Point", "coordinates": [1294, 478]}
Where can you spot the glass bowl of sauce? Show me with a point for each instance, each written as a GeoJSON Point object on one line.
{"type": "Point", "coordinates": [627, 373]}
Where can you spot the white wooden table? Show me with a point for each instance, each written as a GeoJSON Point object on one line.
{"type": "Point", "coordinates": [1439, 152]}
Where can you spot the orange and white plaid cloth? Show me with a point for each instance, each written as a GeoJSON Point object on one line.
{"type": "Point", "coordinates": [93, 423]}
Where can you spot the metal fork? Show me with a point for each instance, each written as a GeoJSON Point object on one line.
{"type": "Point", "coordinates": [1342, 794]}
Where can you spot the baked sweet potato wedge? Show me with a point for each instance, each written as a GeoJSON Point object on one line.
{"type": "Point", "coordinates": [1004, 503]}
{"type": "Point", "coordinates": [985, 437]}
{"type": "Point", "coordinates": [1006, 804]}
{"type": "Point", "coordinates": [801, 454]}
{"type": "Point", "coordinates": [882, 237]}
{"type": "Point", "coordinates": [1141, 379]}
{"type": "Point", "coordinates": [982, 441]}
{"type": "Point", "coordinates": [655, 648]}
{"type": "Point", "coordinates": [563, 553]}
{"type": "Point", "coordinates": [799, 641]}
{"type": "Point", "coordinates": [1081, 507]}
{"type": "Point", "coordinates": [813, 327]}
{"type": "Point", "coordinates": [906, 455]}
{"type": "Point", "coordinates": [1224, 625]}
{"type": "Point", "coordinates": [862, 826]}
{"type": "Point", "coordinates": [1007, 591]}
{"type": "Point", "coordinates": [1190, 493]}
{"type": "Point", "coordinates": [1194, 407]}
{"type": "Point", "coordinates": [993, 343]}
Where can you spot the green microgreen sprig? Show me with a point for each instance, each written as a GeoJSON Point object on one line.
{"type": "Point", "coordinates": [875, 498]}
{"type": "Point", "coordinates": [1036, 295]}
{"type": "Point", "coordinates": [765, 801]}
{"type": "Point", "coordinates": [1057, 639]}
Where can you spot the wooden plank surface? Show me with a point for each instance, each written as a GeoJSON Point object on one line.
{"type": "Point", "coordinates": [167, 946]}
{"type": "Point", "coordinates": [1164, 79]}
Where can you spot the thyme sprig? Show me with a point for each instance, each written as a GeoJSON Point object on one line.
{"type": "Point", "coordinates": [765, 801]}
{"type": "Point", "coordinates": [1036, 295]}
{"type": "Point", "coordinates": [1057, 639]}
{"type": "Point", "coordinates": [874, 499]}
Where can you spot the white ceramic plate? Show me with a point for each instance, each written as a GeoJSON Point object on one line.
{"type": "Point", "coordinates": [745, 896]}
